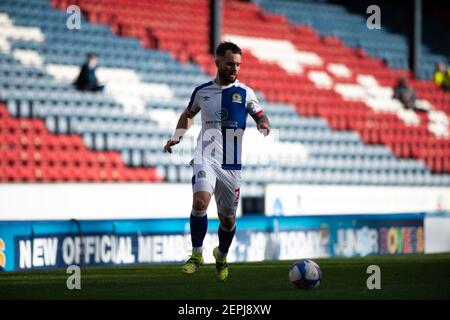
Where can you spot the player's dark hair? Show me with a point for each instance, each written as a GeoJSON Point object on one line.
{"type": "Point", "coordinates": [227, 45]}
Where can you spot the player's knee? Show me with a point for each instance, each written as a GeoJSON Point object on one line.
{"type": "Point", "coordinates": [200, 204]}
{"type": "Point", "coordinates": [227, 223]}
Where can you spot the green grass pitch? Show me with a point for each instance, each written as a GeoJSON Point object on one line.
{"type": "Point", "coordinates": [402, 277]}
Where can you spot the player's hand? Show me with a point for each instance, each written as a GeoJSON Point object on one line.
{"type": "Point", "coordinates": [169, 144]}
{"type": "Point", "coordinates": [264, 128]}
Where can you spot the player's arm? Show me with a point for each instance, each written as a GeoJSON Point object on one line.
{"type": "Point", "coordinates": [184, 123]}
{"type": "Point", "coordinates": [262, 122]}
{"type": "Point", "coordinates": [257, 113]}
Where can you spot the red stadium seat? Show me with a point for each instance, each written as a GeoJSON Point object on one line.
{"type": "Point", "coordinates": [29, 153]}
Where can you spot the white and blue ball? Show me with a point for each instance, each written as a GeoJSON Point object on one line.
{"type": "Point", "coordinates": [305, 274]}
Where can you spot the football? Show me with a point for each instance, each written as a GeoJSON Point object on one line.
{"type": "Point", "coordinates": [305, 274]}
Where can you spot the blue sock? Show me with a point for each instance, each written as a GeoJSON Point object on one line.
{"type": "Point", "coordinates": [199, 226]}
{"type": "Point", "coordinates": [225, 239]}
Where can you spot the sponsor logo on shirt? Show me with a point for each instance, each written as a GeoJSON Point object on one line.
{"type": "Point", "coordinates": [222, 114]}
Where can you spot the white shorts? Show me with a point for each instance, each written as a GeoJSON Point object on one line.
{"type": "Point", "coordinates": [225, 185]}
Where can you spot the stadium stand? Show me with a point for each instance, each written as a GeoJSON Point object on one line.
{"type": "Point", "coordinates": [30, 153]}
{"type": "Point", "coordinates": [349, 25]}
{"type": "Point", "coordinates": [337, 121]}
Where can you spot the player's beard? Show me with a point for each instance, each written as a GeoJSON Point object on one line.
{"type": "Point", "coordinates": [227, 78]}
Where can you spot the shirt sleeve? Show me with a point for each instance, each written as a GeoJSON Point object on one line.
{"type": "Point", "coordinates": [253, 107]}
{"type": "Point", "coordinates": [194, 104]}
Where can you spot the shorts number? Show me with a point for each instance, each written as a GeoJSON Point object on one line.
{"type": "Point", "coordinates": [238, 193]}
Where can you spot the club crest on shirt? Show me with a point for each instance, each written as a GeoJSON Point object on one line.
{"type": "Point", "coordinates": [237, 98]}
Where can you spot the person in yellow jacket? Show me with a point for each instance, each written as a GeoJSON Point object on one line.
{"type": "Point", "coordinates": [442, 76]}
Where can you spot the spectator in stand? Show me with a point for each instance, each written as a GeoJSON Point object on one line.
{"type": "Point", "coordinates": [405, 94]}
{"type": "Point", "coordinates": [442, 76]}
{"type": "Point", "coordinates": [87, 80]}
